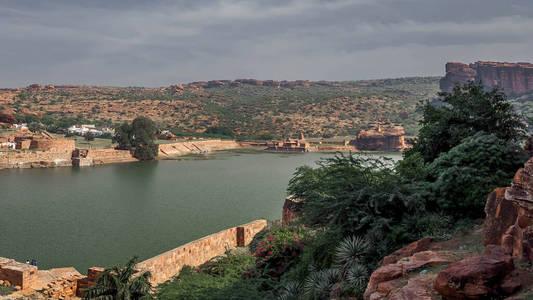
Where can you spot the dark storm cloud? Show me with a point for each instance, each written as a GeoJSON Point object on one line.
{"type": "Point", "coordinates": [156, 43]}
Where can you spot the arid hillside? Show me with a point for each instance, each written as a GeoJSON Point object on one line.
{"type": "Point", "coordinates": [247, 106]}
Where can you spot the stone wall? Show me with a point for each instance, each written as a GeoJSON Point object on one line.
{"type": "Point", "coordinates": [17, 274]}
{"type": "Point", "coordinates": [91, 157]}
{"type": "Point", "coordinates": [182, 148]}
{"type": "Point", "coordinates": [167, 265]}
{"type": "Point", "coordinates": [53, 145]}
{"type": "Point", "coordinates": [35, 159]}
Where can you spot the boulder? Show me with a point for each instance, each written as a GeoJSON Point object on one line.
{"type": "Point", "coordinates": [292, 209]}
{"type": "Point", "coordinates": [389, 277]}
{"type": "Point", "coordinates": [475, 277]}
{"type": "Point", "coordinates": [414, 247]}
{"type": "Point", "coordinates": [420, 288]}
{"type": "Point", "coordinates": [500, 215]}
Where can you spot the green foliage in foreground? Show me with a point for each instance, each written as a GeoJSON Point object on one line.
{"type": "Point", "coordinates": [464, 112]}
{"type": "Point", "coordinates": [465, 175]}
{"type": "Point", "coordinates": [6, 290]}
{"type": "Point", "coordinates": [220, 278]}
{"type": "Point", "coordinates": [118, 283]}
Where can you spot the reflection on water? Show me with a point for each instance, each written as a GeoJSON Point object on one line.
{"type": "Point", "coordinates": [103, 215]}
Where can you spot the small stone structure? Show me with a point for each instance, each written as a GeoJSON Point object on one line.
{"type": "Point", "coordinates": [291, 145]}
{"type": "Point", "coordinates": [384, 136]}
{"type": "Point", "coordinates": [16, 273]}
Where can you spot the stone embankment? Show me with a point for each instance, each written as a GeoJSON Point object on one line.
{"type": "Point", "coordinates": [62, 153]}
{"type": "Point", "coordinates": [62, 283]}
{"type": "Point", "coordinates": [195, 147]}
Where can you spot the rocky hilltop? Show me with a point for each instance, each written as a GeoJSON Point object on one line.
{"type": "Point", "coordinates": [513, 78]}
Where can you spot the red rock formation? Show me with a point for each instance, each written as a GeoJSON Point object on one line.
{"type": "Point", "coordinates": [414, 247]}
{"type": "Point", "coordinates": [292, 209]}
{"type": "Point", "coordinates": [382, 137]}
{"type": "Point", "coordinates": [513, 78]}
{"type": "Point", "coordinates": [385, 281]}
{"type": "Point", "coordinates": [478, 277]}
{"type": "Point", "coordinates": [509, 221]}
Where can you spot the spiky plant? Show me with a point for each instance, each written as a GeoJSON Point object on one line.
{"type": "Point", "coordinates": [357, 275]}
{"type": "Point", "coordinates": [318, 284]}
{"type": "Point", "coordinates": [292, 290]}
{"type": "Point", "coordinates": [119, 283]}
{"type": "Point", "coordinates": [349, 252]}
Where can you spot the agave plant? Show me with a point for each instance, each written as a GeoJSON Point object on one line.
{"type": "Point", "coordinates": [292, 290]}
{"type": "Point", "coordinates": [318, 284]}
{"type": "Point", "coordinates": [119, 283]}
{"type": "Point", "coordinates": [349, 252]}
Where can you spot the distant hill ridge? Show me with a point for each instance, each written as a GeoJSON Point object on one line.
{"type": "Point", "coordinates": [513, 78]}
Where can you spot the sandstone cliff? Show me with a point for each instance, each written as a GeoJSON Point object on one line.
{"type": "Point", "coordinates": [513, 78]}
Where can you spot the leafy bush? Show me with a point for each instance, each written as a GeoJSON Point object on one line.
{"type": "Point", "coordinates": [278, 252]}
{"type": "Point", "coordinates": [354, 193]}
{"type": "Point", "coordinates": [465, 175]}
{"type": "Point", "coordinates": [219, 278]}
{"type": "Point", "coordinates": [463, 113]}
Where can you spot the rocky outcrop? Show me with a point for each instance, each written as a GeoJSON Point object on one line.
{"type": "Point", "coordinates": [292, 209]}
{"type": "Point", "coordinates": [478, 277]}
{"type": "Point", "coordinates": [509, 221]}
{"type": "Point", "coordinates": [381, 137]}
{"type": "Point", "coordinates": [513, 78]}
{"type": "Point", "coordinates": [414, 247]}
{"type": "Point", "coordinates": [500, 215]}
{"type": "Point", "coordinates": [388, 281]}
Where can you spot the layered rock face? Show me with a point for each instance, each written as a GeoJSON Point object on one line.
{"type": "Point", "coordinates": [513, 78]}
{"type": "Point", "coordinates": [509, 221]}
{"type": "Point", "coordinates": [381, 137]}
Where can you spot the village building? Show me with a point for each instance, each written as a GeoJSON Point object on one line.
{"type": "Point", "coordinates": [84, 129]}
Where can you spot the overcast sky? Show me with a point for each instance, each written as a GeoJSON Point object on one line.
{"type": "Point", "coordinates": [157, 43]}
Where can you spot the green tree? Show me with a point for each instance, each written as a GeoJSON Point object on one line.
{"type": "Point", "coordinates": [464, 176]}
{"type": "Point", "coordinates": [143, 134]}
{"type": "Point", "coordinates": [139, 136]}
{"type": "Point", "coordinates": [464, 112]}
{"type": "Point", "coordinates": [89, 136]}
{"type": "Point", "coordinates": [119, 283]}
{"type": "Point", "coordinates": [123, 136]}
{"type": "Point", "coordinates": [34, 126]}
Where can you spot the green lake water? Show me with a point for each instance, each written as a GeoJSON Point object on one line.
{"type": "Point", "coordinates": [100, 216]}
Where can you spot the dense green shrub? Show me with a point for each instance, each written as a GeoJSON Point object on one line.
{"type": "Point", "coordinates": [465, 175]}
{"type": "Point", "coordinates": [355, 193]}
{"type": "Point", "coordinates": [464, 112]}
{"type": "Point", "coordinates": [278, 252]}
{"type": "Point", "coordinates": [220, 278]}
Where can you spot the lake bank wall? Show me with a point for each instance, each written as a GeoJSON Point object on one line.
{"type": "Point", "coordinates": [167, 265]}
{"type": "Point", "coordinates": [68, 156]}
{"type": "Point", "coordinates": [68, 282]}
